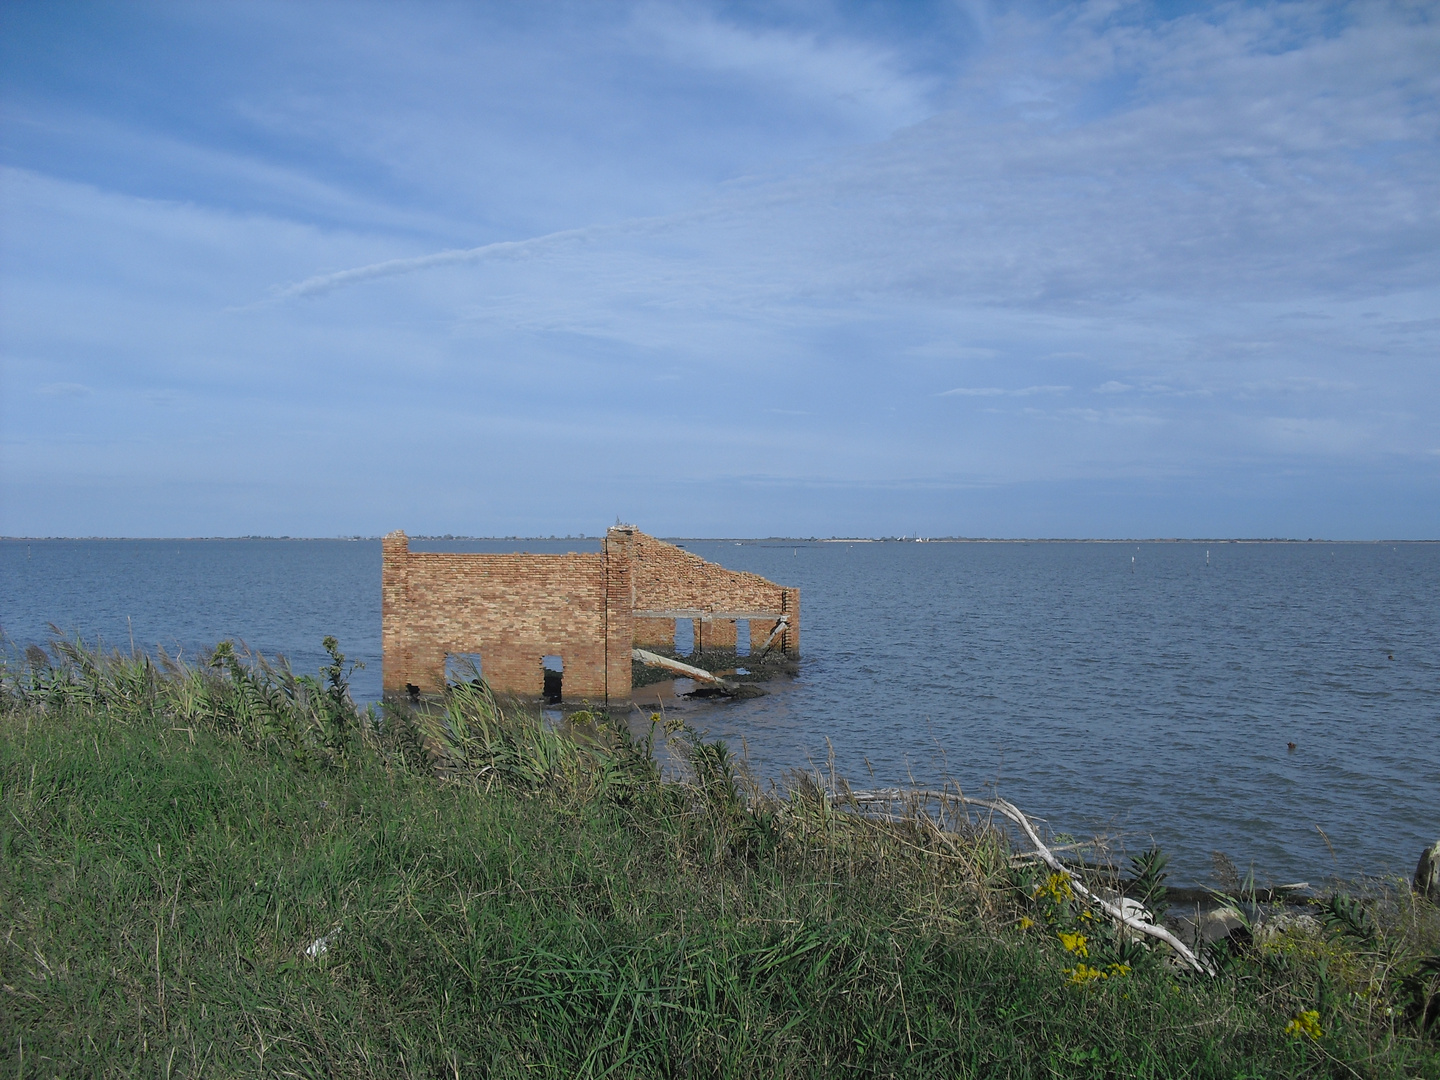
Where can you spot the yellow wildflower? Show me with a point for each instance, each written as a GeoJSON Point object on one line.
{"type": "Point", "coordinates": [1057, 888]}
{"type": "Point", "coordinates": [1074, 943]}
{"type": "Point", "coordinates": [1307, 1023]}
{"type": "Point", "coordinates": [1119, 969]}
{"type": "Point", "coordinates": [1026, 922]}
{"type": "Point", "coordinates": [1084, 975]}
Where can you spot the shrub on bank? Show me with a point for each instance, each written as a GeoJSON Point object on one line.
{"type": "Point", "coordinates": [229, 868]}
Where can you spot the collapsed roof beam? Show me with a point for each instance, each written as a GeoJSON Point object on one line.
{"type": "Point", "coordinates": [656, 660]}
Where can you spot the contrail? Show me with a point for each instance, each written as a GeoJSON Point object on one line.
{"type": "Point", "coordinates": [324, 283]}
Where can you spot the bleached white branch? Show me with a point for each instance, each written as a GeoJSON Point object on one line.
{"type": "Point", "coordinates": [1125, 914]}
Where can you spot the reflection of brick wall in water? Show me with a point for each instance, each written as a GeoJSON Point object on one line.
{"type": "Point", "coordinates": [514, 609]}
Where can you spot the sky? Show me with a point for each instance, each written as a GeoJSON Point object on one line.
{"type": "Point", "coordinates": [785, 268]}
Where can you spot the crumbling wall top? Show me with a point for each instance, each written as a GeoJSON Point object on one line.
{"type": "Point", "coordinates": [668, 577]}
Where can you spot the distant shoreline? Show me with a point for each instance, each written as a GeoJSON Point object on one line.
{"type": "Point", "coordinates": [765, 539]}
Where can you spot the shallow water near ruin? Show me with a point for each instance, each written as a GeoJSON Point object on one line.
{"type": "Point", "coordinates": [1104, 687]}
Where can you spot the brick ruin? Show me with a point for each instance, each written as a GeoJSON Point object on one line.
{"type": "Point", "coordinates": [512, 611]}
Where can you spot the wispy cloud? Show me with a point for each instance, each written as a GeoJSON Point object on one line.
{"type": "Point", "coordinates": [504, 249]}
{"type": "Point", "coordinates": [64, 390]}
{"type": "Point", "coordinates": [995, 391]}
{"type": "Point", "coordinates": [498, 251]}
{"type": "Point", "coordinates": [848, 75]}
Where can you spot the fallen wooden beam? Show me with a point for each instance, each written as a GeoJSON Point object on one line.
{"type": "Point", "coordinates": [656, 660]}
{"type": "Point", "coordinates": [780, 625]}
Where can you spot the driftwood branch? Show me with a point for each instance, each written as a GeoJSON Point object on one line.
{"type": "Point", "coordinates": [1126, 915]}
{"type": "Point", "coordinates": [1034, 856]}
{"type": "Point", "coordinates": [656, 660]}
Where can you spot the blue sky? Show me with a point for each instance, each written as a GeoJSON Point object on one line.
{"type": "Point", "coordinates": [720, 269]}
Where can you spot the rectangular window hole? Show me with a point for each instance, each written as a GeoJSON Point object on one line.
{"type": "Point", "coordinates": [463, 667]}
{"type": "Point", "coordinates": [742, 637]}
{"type": "Point", "coordinates": [554, 669]}
{"type": "Point", "coordinates": [684, 637]}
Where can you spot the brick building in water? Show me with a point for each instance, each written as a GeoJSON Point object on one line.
{"type": "Point", "coordinates": [514, 614]}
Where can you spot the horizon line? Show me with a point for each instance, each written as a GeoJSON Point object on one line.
{"type": "Point", "coordinates": [890, 539]}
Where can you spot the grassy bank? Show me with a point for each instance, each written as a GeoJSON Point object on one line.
{"type": "Point", "coordinates": [230, 870]}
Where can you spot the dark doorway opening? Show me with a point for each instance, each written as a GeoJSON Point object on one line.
{"type": "Point", "coordinates": [554, 669]}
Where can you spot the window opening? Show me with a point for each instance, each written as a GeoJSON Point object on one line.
{"type": "Point", "coordinates": [742, 637]}
{"type": "Point", "coordinates": [684, 637]}
{"type": "Point", "coordinates": [554, 669]}
{"type": "Point", "coordinates": [463, 668]}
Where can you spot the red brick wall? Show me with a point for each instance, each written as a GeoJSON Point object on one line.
{"type": "Point", "coordinates": [717, 633]}
{"type": "Point", "coordinates": [788, 640]}
{"type": "Point", "coordinates": [619, 615]}
{"type": "Point", "coordinates": [515, 609]}
{"type": "Point", "coordinates": [397, 655]}
{"type": "Point", "coordinates": [511, 609]}
{"type": "Point", "coordinates": [670, 578]}
{"type": "Point", "coordinates": [655, 634]}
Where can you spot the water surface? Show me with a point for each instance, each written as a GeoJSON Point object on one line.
{"type": "Point", "coordinates": [1115, 687]}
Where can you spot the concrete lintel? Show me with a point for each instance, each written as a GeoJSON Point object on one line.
{"type": "Point", "coordinates": [697, 613]}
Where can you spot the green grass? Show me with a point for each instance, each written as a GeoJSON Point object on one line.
{"type": "Point", "coordinates": [173, 839]}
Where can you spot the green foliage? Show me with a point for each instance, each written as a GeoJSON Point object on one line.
{"type": "Point", "coordinates": [471, 737]}
{"type": "Point", "coordinates": [1148, 884]}
{"type": "Point", "coordinates": [1343, 914]}
{"type": "Point", "coordinates": [1420, 990]}
{"type": "Point", "coordinates": [265, 704]}
{"type": "Point", "coordinates": [177, 842]}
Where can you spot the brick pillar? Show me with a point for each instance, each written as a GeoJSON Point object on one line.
{"type": "Point", "coordinates": [655, 634]}
{"type": "Point", "coordinates": [619, 610]}
{"type": "Point", "coordinates": [759, 631]}
{"type": "Point", "coordinates": [719, 634]}
{"type": "Point", "coordinates": [394, 589]}
{"type": "Point", "coordinates": [791, 635]}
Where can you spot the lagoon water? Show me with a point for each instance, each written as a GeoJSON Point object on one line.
{"type": "Point", "coordinates": [1143, 690]}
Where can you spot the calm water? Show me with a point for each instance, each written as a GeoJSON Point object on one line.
{"type": "Point", "coordinates": [1101, 686]}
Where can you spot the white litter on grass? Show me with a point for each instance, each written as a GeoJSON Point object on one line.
{"type": "Point", "coordinates": [321, 945]}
